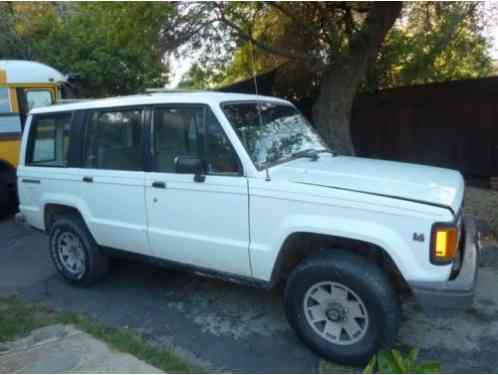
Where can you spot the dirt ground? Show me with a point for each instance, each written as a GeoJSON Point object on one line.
{"type": "Point", "coordinates": [483, 204]}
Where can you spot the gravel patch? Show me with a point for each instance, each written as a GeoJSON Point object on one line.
{"type": "Point", "coordinates": [483, 204]}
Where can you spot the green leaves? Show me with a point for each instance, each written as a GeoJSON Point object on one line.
{"type": "Point", "coordinates": [433, 42]}
{"type": "Point", "coordinates": [393, 362]}
{"type": "Point", "coordinates": [430, 42]}
{"type": "Point", "coordinates": [115, 48]}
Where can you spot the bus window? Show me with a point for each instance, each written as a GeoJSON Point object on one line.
{"type": "Point", "coordinates": [38, 98]}
{"type": "Point", "coordinates": [4, 100]}
{"type": "Point", "coordinates": [10, 123]}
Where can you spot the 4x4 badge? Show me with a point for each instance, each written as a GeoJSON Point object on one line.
{"type": "Point", "coordinates": [418, 237]}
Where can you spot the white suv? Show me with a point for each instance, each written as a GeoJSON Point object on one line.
{"type": "Point", "coordinates": [240, 187]}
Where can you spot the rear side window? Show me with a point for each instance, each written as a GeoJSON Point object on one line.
{"type": "Point", "coordinates": [114, 140]}
{"type": "Point", "coordinates": [49, 143]}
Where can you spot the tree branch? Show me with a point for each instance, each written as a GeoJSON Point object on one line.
{"type": "Point", "coordinates": [297, 20]}
{"type": "Point", "coordinates": [242, 34]}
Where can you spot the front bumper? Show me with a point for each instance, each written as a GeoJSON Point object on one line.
{"type": "Point", "coordinates": [457, 293]}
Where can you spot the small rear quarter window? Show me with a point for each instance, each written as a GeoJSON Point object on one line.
{"type": "Point", "coordinates": [49, 140]}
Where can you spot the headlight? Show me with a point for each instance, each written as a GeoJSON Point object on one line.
{"type": "Point", "coordinates": [444, 243]}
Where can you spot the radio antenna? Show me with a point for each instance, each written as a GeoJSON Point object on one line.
{"type": "Point", "coordinates": [253, 63]}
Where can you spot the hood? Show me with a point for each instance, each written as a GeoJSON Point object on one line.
{"type": "Point", "coordinates": [413, 182]}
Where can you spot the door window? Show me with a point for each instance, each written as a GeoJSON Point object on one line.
{"type": "Point", "coordinates": [191, 132]}
{"type": "Point", "coordinates": [175, 133]}
{"type": "Point", "coordinates": [114, 140]}
{"type": "Point", "coordinates": [38, 98]}
{"type": "Point", "coordinates": [220, 156]}
{"type": "Point", "coordinates": [50, 140]}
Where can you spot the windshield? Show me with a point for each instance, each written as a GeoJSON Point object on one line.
{"type": "Point", "coordinates": [272, 133]}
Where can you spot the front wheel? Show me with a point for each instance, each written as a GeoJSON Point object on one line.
{"type": "Point", "coordinates": [342, 306]}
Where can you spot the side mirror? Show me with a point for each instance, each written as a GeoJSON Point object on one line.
{"type": "Point", "coordinates": [190, 165]}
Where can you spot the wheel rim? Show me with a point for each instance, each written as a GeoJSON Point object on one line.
{"type": "Point", "coordinates": [336, 313]}
{"type": "Point", "coordinates": [71, 254]}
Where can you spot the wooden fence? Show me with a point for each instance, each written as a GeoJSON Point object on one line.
{"type": "Point", "coordinates": [452, 124]}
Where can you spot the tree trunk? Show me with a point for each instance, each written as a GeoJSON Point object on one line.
{"type": "Point", "coordinates": [340, 82]}
{"type": "Point", "coordinates": [332, 109]}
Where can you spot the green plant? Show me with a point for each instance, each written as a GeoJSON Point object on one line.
{"type": "Point", "coordinates": [393, 362]}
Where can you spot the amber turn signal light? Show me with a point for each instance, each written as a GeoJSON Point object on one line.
{"type": "Point", "coordinates": [444, 244]}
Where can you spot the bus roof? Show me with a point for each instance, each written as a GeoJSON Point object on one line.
{"type": "Point", "coordinates": [26, 72]}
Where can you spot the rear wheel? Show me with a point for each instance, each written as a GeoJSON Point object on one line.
{"type": "Point", "coordinates": [8, 194]}
{"type": "Point", "coordinates": [342, 306]}
{"type": "Point", "coordinates": [4, 200]}
{"type": "Point", "coordinates": [74, 252]}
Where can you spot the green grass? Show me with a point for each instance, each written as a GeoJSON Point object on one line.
{"type": "Point", "coordinates": [18, 318]}
{"type": "Point", "coordinates": [327, 367]}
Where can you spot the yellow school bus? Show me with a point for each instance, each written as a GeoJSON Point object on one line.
{"type": "Point", "coordinates": [24, 85]}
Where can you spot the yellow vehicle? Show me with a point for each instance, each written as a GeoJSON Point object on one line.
{"type": "Point", "coordinates": [24, 85]}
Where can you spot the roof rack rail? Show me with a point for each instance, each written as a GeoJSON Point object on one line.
{"type": "Point", "coordinates": [70, 101]}
{"type": "Point", "coordinates": [163, 90]}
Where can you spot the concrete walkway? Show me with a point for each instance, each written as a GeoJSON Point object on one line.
{"type": "Point", "coordinates": [62, 349]}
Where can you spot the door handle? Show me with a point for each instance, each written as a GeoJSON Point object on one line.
{"type": "Point", "coordinates": [30, 181]}
{"type": "Point", "coordinates": [159, 185]}
{"type": "Point", "coordinates": [87, 179]}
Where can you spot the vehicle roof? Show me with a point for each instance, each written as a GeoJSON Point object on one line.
{"type": "Point", "coordinates": [197, 97]}
{"type": "Point", "coordinates": [22, 71]}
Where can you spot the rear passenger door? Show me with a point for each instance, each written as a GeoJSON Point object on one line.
{"type": "Point", "coordinates": [46, 171]}
{"type": "Point", "coordinates": [200, 222]}
{"type": "Point", "coordinates": [112, 179]}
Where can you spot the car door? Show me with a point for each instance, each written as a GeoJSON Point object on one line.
{"type": "Point", "coordinates": [45, 170]}
{"type": "Point", "coordinates": [113, 177]}
{"type": "Point", "coordinates": [196, 220]}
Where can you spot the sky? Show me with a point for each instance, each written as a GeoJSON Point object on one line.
{"type": "Point", "coordinates": [494, 49]}
{"type": "Point", "coordinates": [178, 67]}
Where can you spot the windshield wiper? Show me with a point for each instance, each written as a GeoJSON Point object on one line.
{"type": "Point", "coordinates": [310, 153]}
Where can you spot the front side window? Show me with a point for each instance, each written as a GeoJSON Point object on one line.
{"type": "Point", "coordinates": [194, 132]}
{"type": "Point", "coordinates": [271, 132]}
{"type": "Point", "coordinates": [175, 133]}
{"type": "Point", "coordinates": [220, 156]}
{"type": "Point", "coordinates": [4, 100]}
{"type": "Point", "coordinates": [114, 140]}
{"type": "Point", "coordinates": [50, 140]}
{"type": "Point", "coordinates": [38, 98]}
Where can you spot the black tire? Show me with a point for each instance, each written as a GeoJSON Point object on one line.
{"type": "Point", "coordinates": [4, 200]}
{"type": "Point", "coordinates": [96, 263]}
{"type": "Point", "coordinates": [8, 196]}
{"type": "Point", "coordinates": [365, 279]}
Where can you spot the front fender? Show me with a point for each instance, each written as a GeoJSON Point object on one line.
{"type": "Point", "coordinates": [264, 256]}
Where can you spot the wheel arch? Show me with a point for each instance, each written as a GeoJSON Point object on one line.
{"type": "Point", "coordinates": [51, 211]}
{"type": "Point", "coordinates": [55, 208]}
{"type": "Point", "coordinates": [299, 245]}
